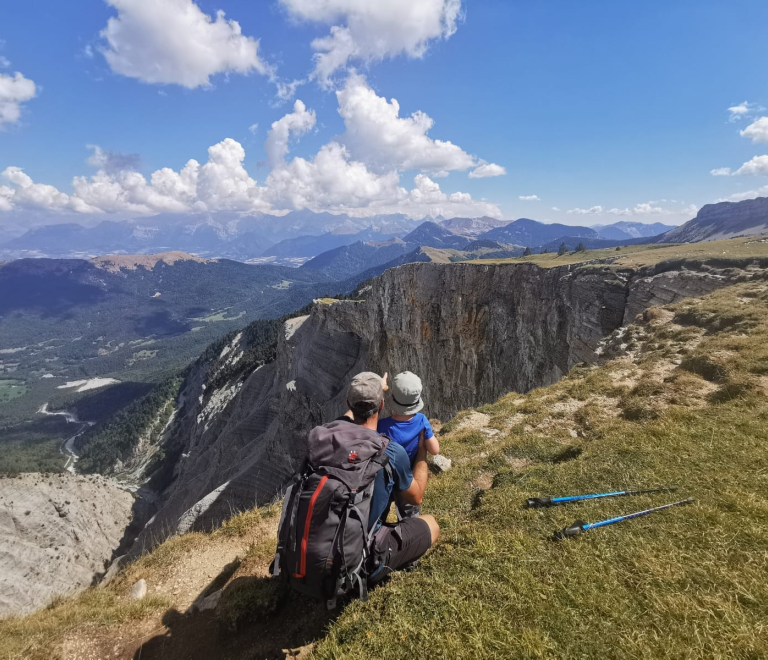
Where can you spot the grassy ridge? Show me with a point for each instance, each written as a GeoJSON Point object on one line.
{"type": "Point", "coordinates": [638, 256]}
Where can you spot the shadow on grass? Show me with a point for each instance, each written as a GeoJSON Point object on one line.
{"type": "Point", "coordinates": [256, 617]}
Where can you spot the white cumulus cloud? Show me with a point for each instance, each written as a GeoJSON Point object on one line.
{"type": "Point", "coordinates": [371, 30]}
{"type": "Point", "coordinates": [592, 210]}
{"type": "Point", "coordinates": [757, 131]}
{"type": "Point", "coordinates": [175, 42]}
{"type": "Point", "coordinates": [758, 165]}
{"type": "Point", "coordinates": [377, 134]}
{"type": "Point", "coordinates": [738, 111]}
{"type": "Point", "coordinates": [28, 194]}
{"type": "Point", "coordinates": [14, 90]}
{"type": "Point", "coordinates": [743, 111]}
{"type": "Point", "coordinates": [330, 181]}
{"type": "Point", "coordinates": [297, 123]}
{"type": "Point", "coordinates": [721, 171]}
{"type": "Point", "coordinates": [486, 170]}
{"type": "Point", "coordinates": [529, 198]}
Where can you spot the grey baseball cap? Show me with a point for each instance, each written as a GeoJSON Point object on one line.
{"type": "Point", "coordinates": [405, 394]}
{"type": "Point", "coordinates": [365, 392]}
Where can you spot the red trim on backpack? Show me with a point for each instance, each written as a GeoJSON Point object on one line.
{"type": "Point", "coordinates": [307, 523]}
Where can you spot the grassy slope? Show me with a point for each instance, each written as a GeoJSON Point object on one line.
{"type": "Point", "coordinates": [689, 582]}
{"type": "Point", "coordinates": [637, 256]}
{"type": "Point", "coordinates": [685, 404]}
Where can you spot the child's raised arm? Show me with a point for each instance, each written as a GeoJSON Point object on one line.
{"type": "Point", "coordinates": [432, 445]}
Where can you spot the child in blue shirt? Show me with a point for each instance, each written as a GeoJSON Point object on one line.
{"type": "Point", "coordinates": [407, 424]}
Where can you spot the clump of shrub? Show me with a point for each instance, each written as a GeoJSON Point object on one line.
{"type": "Point", "coordinates": [705, 367]}
{"type": "Point", "coordinates": [647, 388]}
{"type": "Point", "coordinates": [732, 389]}
{"type": "Point", "coordinates": [248, 599]}
{"type": "Point", "coordinates": [760, 366]}
{"type": "Point", "coordinates": [637, 409]}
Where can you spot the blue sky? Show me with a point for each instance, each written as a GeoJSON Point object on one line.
{"type": "Point", "coordinates": [618, 107]}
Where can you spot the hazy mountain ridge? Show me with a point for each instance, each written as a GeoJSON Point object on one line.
{"type": "Point", "coordinates": [225, 235]}
{"type": "Point", "coordinates": [723, 220]}
{"type": "Point", "coordinates": [532, 233]}
{"type": "Point", "coordinates": [471, 227]}
{"type": "Point", "coordinates": [625, 229]}
{"type": "Point", "coordinates": [289, 239]}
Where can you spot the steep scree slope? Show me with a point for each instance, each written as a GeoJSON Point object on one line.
{"type": "Point", "coordinates": [57, 532]}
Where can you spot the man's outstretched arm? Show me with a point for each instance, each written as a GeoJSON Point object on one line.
{"type": "Point", "coordinates": [415, 493]}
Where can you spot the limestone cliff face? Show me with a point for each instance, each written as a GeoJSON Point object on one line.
{"type": "Point", "coordinates": [472, 332]}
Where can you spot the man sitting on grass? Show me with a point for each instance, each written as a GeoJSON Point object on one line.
{"type": "Point", "coordinates": [394, 546]}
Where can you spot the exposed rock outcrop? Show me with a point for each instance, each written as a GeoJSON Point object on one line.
{"type": "Point", "coordinates": [57, 533]}
{"type": "Point", "coordinates": [472, 332]}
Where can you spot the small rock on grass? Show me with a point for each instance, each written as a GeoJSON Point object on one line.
{"type": "Point", "coordinates": [208, 603]}
{"type": "Point", "coordinates": [442, 463]}
{"type": "Point", "coordinates": [139, 590]}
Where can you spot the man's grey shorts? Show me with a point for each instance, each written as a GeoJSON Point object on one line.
{"type": "Point", "coordinates": [397, 545]}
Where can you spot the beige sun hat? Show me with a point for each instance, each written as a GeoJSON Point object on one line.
{"type": "Point", "coordinates": [405, 394]}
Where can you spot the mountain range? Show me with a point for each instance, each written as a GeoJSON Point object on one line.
{"type": "Point", "coordinates": [226, 235]}
{"type": "Point", "coordinates": [289, 240]}
{"type": "Point", "coordinates": [624, 229]}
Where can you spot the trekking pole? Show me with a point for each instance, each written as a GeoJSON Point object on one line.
{"type": "Point", "coordinates": [538, 502]}
{"type": "Point", "coordinates": [580, 526]}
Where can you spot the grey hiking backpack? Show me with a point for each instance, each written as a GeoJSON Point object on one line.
{"type": "Point", "coordinates": [323, 540]}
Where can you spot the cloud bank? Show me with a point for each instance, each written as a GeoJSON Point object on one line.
{"type": "Point", "coordinates": [359, 173]}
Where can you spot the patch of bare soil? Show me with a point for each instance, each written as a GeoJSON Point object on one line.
{"type": "Point", "coordinates": [473, 421]}
{"type": "Point", "coordinates": [763, 383]}
{"type": "Point", "coordinates": [568, 407]}
{"type": "Point", "coordinates": [115, 262]}
{"type": "Point", "coordinates": [483, 481]}
{"type": "Point", "coordinates": [518, 463]}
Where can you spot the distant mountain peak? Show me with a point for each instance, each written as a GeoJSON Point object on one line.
{"type": "Point", "coordinates": [114, 263]}
{"type": "Point", "coordinates": [431, 234]}
{"type": "Point", "coordinates": [471, 227]}
{"type": "Point", "coordinates": [532, 233]}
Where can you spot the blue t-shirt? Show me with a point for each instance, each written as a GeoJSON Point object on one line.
{"type": "Point", "coordinates": [406, 433]}
{"type": "Point", "coordinates": [401, 480]}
